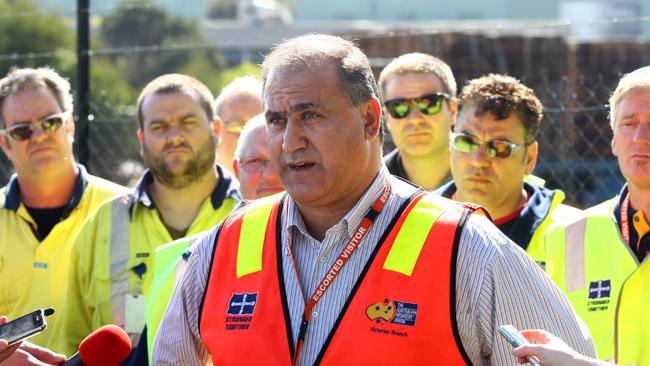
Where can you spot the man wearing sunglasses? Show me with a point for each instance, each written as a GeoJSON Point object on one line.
{"type": "Point", "coordinates": [493, 149]}
{"type": "Point", "coordinates": [182, 193]}
{"type": "Point", "coordinates": [420, 106]}
{"type": "Point", "coordinates": [237, 103]}
{"type": "Point", "coordinates": [43, 206]}
{"type": "Point", "coordinates": [600, 260]}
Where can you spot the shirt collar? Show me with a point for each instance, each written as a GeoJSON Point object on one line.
{"type": "Point", "coordinates": [353, 218]}
{"type": "Point", "coordinates": [12, 200]}
{"type": "Point", "coordinates": [227, 187]}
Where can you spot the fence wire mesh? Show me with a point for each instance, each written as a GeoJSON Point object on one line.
{"type": "Point", "coordinates": [573, 81]}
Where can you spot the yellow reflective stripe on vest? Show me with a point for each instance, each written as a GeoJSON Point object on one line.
{"type": "Point", "coordinates": [632, 327]}
{"type": "Point", "coordinates": [166, 259]}
{"type": "Point", "coordinates": [412, 235]}
{"type": "Point", "coordinates": [119, 244]}
{"type": "Point", "coordinates": [574, 257]}
{"type": "Point", "coordinates": [251, 237]}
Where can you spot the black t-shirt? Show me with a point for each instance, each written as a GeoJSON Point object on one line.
{"type": "Point", "coordinates": [45, 219]}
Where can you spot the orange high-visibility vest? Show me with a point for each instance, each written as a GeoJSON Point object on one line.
{"type": "Point", "coordinates": [401, 312]}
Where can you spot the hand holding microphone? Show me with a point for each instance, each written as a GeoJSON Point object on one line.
{"type": "Point", "coordinates": [107, 346]}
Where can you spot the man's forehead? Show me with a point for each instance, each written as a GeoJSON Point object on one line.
{"type": "Point", "coordinates": [30, 103]}
{"type": "Point", "coordinates": [411, 85]}
{"type": "Point", "coordinates": [487, 123]}
{"type": "Point", "coordinates": [255, 141]}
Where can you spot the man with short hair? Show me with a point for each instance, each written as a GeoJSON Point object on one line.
{"type": "Point", "coordinates": [181, 194]}
{"type": "Point", "coordinates": [45, 203]}
{"type": "Point", "coordinates": [237, 103]}
{"type": "Point", "coordinates": [419, 93]}
{"type": "Point", "coordinates": [493, 149]}
{"type": "Point", "coordinates": [600, 259]}
{"type": "Point", "coordinates": [350, 255]}
{"type": "Point", "coordinates": [257, 178]}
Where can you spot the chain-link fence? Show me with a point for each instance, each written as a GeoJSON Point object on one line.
{"type": "Point", "coordinates": [573, 81]}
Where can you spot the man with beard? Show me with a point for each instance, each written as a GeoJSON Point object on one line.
{"type": "Point", "coordinates": [182, 193]}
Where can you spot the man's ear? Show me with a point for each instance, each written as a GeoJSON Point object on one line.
{"type": "Point", "coordinates": [531, 158]}
{"type": "Point", "coordinates": [140, 136]}
{"type": "Point", "coordinates": [453, 111]}
{"type": "Point", "coordinates": [217, 127]}
{"type": "Point", "coordinates": [613, 145]}
{"type": "Point", "coordinates": [235, 167]}
{"type": "Point", "coordinates": [371, 113]}
{"type": "Point", "coordinates": [5, 145]}
{"type": "Point", "coordinates": [70, 127]}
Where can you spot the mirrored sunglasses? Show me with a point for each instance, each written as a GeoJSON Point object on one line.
{"type": "Point", "coordinates": [24, 131]}
{"type": "Point", "coordinates": [429, 105]}
{"type": "Point", "coordinates": [496, 148]}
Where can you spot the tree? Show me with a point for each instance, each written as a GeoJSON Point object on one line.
{"type": "Point", "coordinates": [161, 43]}
{"type": "Point", "coordinates": [222, 9]}
{"type": "Point", "coordinates": [35, 37]}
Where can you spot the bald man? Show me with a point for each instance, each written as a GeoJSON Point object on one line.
{"type": "Point", "coordinates": [257, 178]}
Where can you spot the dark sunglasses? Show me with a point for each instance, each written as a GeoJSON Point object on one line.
{"type": "Point", "coordinates": [24, 131]}
{"type": "Point", "coordinates": [467, 143]}
{"type": "Point", "coordinates": [429, 105]}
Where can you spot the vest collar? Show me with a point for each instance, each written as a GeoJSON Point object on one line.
{"type": "Point", "coordinates": [227, 187]}
{"type": "Point", "coordinates": [12, 198]}
{"type": "Point", "coordinates": [537, 209]}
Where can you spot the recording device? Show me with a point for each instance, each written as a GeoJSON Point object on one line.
{"type": "Point", "coordinates": [107, 346]}
{"type": "Point", "coordinates": [512, 335]}
{"type": "Point", "coordinates": [25, 326]}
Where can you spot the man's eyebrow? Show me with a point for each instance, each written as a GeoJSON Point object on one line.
{"type": "Point", "coordinates": [629, 115]}
{"type": "Point", "coordinates": [273, 114]}
{"type": "Point", "coordinates": [29, 122]}
{"type": "Point", "coordinates": [305, 105]}
{"type": "Point", "coordinates": [294, 108]}
{"type": "Point", "coordinates": [189, 115]}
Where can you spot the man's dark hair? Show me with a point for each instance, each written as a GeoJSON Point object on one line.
{"type": "Point", "coordinates": [356, 80]}
{"type": "Point", "coordinates": [502, 95]}
{"type": "Point", "coordinates": [178, 83]}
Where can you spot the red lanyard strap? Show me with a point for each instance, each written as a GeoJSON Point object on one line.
{"type": "Point", "coordinates": [347, 251]}
{"type": "Point", "coordinates": [625, 228]}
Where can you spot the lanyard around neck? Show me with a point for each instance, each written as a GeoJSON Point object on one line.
{"type": "Point", "coordinates": [345, 254]}
{"type": "Point", "coordinates": [625, 227]}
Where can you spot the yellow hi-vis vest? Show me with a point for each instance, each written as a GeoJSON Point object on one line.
{"type": "Point", "coordinates": [558, 213]}
{"type": "Point", "coordinates": [606, 285]}
{"type": "Point", "coordinates": [166, 259]}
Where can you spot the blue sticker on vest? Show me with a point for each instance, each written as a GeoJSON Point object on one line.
{"type": "Point", "coordinates": [242, 304]}
{"type": "Point", "coordinates": [600, 289]}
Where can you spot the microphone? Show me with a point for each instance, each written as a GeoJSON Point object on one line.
{"type": "Point", "coordinates": [107, 346]}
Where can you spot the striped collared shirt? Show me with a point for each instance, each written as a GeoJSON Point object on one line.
{"type": "Point", "coordinates": [497, 283]}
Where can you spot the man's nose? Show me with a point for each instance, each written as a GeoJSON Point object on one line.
{"type": "Point", "coordinates": [294, 138]}
{"type": "Point", "coordinates": [480, 157]}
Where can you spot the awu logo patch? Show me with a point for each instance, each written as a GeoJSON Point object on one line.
{"type": "Point", "coordinates": [600, 289]}
{"type": "Point", "coordinates": [242, 304]}
{"type": "Point", "coordinates": [395, 312]}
